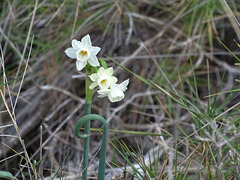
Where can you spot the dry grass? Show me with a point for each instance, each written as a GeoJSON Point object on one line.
{"type": "Point", "coordinates": [43, 94]}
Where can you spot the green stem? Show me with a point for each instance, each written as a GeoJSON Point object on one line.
{"type": "Point", "coordinates": [84, 120]}
{"type": "Point", "coordinates": [89, 94]}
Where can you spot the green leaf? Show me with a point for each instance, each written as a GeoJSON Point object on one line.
{"type": "Point", "coordinates": [6, 175]}
{"type": "Point", "coordinates": [103, 63]}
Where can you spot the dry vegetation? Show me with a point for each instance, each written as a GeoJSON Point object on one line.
{"type": "Point", "coordinates": [172, 43]}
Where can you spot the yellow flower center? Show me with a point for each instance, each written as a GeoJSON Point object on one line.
{"type": "Point", "coordinates": [83, 53]}
{"type": "Point", "coordinates": [103, 81]}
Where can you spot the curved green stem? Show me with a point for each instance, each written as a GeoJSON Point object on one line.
{"type": "Point", "coordinates": [86, 143]}
{"type": "Point", "coordinates": [84, 120]}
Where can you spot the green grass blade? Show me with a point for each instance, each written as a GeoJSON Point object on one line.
{"type": "Point", "coordinates": [228, 50]}
{"type": "Point", "coordinates": [60, 165]}
{"type": "Point", "coordinates": [137, 76]}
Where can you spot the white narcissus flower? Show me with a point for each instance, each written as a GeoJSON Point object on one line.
{"type": "Point", "coordinates": [84, 52]}
{"type": "Point", "coordinates": [103, 78]}
{"type": "Point", "coordinates": [116, 91]}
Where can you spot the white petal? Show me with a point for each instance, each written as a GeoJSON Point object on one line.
{"type": "Point", "coordinates": [109, 71]}
{"type": "Point", "coordinates": [94, 50]}
{"type": "Point", "coordinates": [86, 41]}
{"type": "Point", "coordinates": [101, 71]}
{"type": "Point", "coordinates": [93, 85]}
{"type": "Point", "coordinates": [116, 95]}
{"type": "Point", "coordinates": [94, 77]}
{"type": "Point", "coordinates": [114, 86]}
{"type": "Point", "coordinates": [80, 65]}
{"type": "Point", "coordinates": [111, 99]}
{"type": "Point", "coordinates": [123, 85]}
{"type": "Point", "coordinates": [70, 52]}
{"type": "Point", "coordinates": [113, 79]}
{"type": "Point", "coordinates": [93, 61]}
{"type": "Point", "coordinates": [103, 92]}
{"type": "Point", "coordinates": [76, 44]}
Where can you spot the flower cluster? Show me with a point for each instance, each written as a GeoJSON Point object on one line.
{"type": "Point", "coordinates": [107, 84]}
{"type": "Point", "coordinates": [85, 53]}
